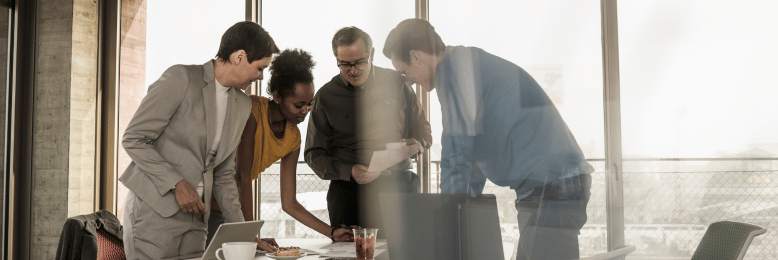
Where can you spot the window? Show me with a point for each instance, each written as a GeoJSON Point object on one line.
{"type": "Point", "coordinates": [310, 25]}
{"type": "Point", "coordinates": [698, 121]}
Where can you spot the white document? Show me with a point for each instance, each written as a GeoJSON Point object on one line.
{"type": "Point", "coordinates": [348, 254]}
{"type": "Point", "coordinates": [382, 160]}
{"type": "Point", "coordinates": [347, 246]}
{"type": "Point", "coordinates": [306, 251]}
{"type": "Point", "coordinates": [341, 246]}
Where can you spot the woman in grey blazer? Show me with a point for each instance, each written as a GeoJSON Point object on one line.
{"type": "Point", "coordinates": [182, 142]}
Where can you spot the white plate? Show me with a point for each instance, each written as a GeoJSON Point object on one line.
{"type": "Point", "coordinates": [273, 255]}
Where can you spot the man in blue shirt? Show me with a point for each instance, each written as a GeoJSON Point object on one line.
{"type": "Point", "coordinates": [499, 124]}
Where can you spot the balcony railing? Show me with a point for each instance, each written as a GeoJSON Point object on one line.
{"type": "Point", "coordinates": [668, 204]}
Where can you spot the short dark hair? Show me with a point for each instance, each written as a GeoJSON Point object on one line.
{"type": "Point", "coordinates": [348, 36]}
{"type": "Point", "coordinates": [413, 34]}
{"type": "Point", "coordinates": [249, 37]}
{"type": "Point", "coordinates": [289, 68]}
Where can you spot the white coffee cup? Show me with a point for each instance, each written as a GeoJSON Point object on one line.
{"type": "Point", "coordinates": [238, 251]}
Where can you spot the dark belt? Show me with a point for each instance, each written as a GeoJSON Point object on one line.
{"type": "Point", "coordinates": [571, 188]}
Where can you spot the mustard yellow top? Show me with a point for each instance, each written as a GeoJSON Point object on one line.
{"type": "Point", "coordinates": [267, 148]}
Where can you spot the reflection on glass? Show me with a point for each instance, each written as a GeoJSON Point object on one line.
{"type": "Point", "coordinates": [558, 44]}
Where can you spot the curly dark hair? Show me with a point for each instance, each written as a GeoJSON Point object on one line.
{"type": "Point", "coordinates": [289, 68]}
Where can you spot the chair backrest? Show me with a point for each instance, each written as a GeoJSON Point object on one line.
{"type": "Point", "coordinates": [726, 240]}
{"type": "Point", "coordinates": [108, 247]}
{"type": "Point", "coordinates": [92, 236]}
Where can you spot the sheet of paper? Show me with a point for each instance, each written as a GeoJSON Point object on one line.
{"type": "Point", "coordinates": [307, 251]}
{"type": "Point", "coordinates": [347, 249]}
{"type": "Point", "coordinates": [340, 254]}
{"type": "Point", "coordinates": [382, 160]}
{"type": "Point", "coordinates": [341, 246]}
{"type": "Point", "coordinates": [348, 254]}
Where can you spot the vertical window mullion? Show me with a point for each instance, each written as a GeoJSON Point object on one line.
{"type": "Point", "coordinates": [612, 113]}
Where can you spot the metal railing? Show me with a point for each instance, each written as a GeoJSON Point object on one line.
{"type": "Point", "coordinates": [669, 204]}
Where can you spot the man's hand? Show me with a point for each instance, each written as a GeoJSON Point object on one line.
{"type": "Point", "coordinates": [188, 199]}
{"type": "Point", "coordinates": [415, 145]}
{"type": "Point", "coordinates": [410, 141]}
{"type": "Point", "coordinates": [343, 235]}
{"type": "Point", "coordinates": [360, 174]}
{"type": "Point", "coordinates": [266, 244]}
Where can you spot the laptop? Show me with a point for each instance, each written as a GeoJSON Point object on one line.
{"type": "Point", "coordinates": [441, 226]}
{"type": "Point", "coordinates": [227, 232]}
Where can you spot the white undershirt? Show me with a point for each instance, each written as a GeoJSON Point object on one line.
{"type": "Point", "coordinates": [222, 99]}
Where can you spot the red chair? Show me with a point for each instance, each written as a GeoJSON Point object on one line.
{"type": "Point", "coordinates": [93, 236]}
{"type": "Point", "coordinates": [109, 247]}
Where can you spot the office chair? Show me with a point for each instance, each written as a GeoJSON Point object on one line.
{"type": "Point", "coordinates": [92, 236]}
{"type": "Point", "coordinates": [726, 240]}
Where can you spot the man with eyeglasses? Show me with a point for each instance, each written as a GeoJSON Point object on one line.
{"type": "Point", "coordinates": [358, 112]}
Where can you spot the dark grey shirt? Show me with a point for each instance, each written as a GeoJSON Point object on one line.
{"type": "Point", "coordinates": [347, 124]}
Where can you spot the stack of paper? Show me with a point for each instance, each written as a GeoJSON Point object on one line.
{"type": "Point", "coordinates": [306, 251]}
{"type": "Point", "coordinates": [347, 250]}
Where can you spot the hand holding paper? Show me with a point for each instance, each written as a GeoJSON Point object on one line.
{"type": "Point", "coordinates": [382, 160]}
{"type": "Point", "coordinates": [361, 175]}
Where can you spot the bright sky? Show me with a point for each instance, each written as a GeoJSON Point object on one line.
{"type": "Point", "coordinates": [696, 76]}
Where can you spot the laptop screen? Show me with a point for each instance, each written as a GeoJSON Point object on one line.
{"type": "Point", "coordinates": [227, 232]}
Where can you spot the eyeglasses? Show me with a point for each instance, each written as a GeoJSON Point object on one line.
{"type": "Point", "coordinates": [360, 65]}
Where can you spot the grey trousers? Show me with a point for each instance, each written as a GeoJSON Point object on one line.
{"type": "Point", "coordinates": [147, 235]}
{"type": "Point", "coordinates": [214, 221]}
{"type": "Point", "coordinates": [551, 218]}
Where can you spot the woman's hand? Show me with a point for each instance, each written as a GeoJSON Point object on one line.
{"type": "Point", "coordinates": [343, 235]}
{"type": "Point", "coordinates": [266, 244]}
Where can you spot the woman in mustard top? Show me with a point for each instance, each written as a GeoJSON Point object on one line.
{"type": "Point", "coordinates": [271, 134]}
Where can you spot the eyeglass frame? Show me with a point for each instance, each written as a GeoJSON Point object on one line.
{"type": "Point", "coordinates": [348, 65]}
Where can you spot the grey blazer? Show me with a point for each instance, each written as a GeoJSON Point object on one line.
{"type": "Point", "coordinates": [169, 137]}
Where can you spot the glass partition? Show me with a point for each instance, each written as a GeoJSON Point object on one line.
{"type": "Point", "coordinates": [558, 44]}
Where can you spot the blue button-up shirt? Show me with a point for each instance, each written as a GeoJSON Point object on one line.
{"type": "Point", "coordinates": [499, 124]}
